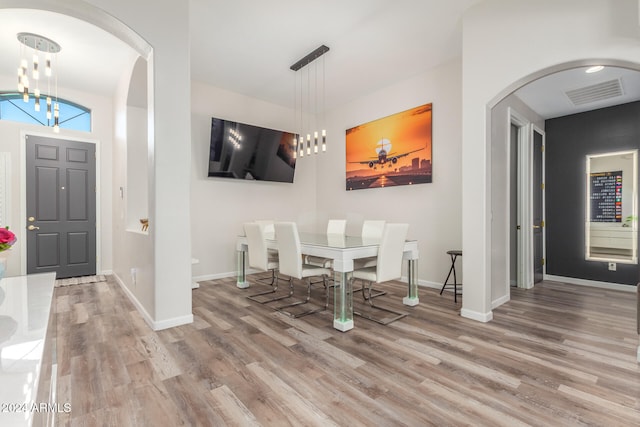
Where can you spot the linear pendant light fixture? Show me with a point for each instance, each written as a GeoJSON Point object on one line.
{"type": "Point", "coordinates": [38, 45]}
{"type": "Point", "coordinates": [305, 104]}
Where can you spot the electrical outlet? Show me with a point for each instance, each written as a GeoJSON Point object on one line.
{"type": "Point", "coordinates": [612, 266]}
{"type": "Point", "coordinates": [134, 273]}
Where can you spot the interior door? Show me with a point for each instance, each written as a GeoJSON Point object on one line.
{"type": "Point", "coordinates": [537, 206]}
{"type": "Point", "coordinates": [61, 206]}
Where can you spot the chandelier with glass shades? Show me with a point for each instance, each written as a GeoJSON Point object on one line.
{"type": "Point", "coordinates": [41, 50]}
{"type": "Point", "coordinates": [307, 102]}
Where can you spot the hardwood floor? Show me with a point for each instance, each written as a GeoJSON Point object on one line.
{"type": "Point", "coordinates": [557, 355]}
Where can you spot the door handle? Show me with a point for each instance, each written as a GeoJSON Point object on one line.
{"type": "Point", "coordinates": [33, 227]}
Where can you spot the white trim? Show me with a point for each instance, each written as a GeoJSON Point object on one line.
{"type": "Point", "coordinates": [500, 301]}
{"type": "Point", "coordinates": [23, 190]}
{"type": "Point", "coordinates": [591, 283]}
{"type": "Point", "coordinates": [173, 322]}
{"type": "Point", "coordinates": [474, 315]}
{"type": "Point", "coordinates": [153, 324]}
{"type": "Point", "coordinates": [524, 275]}
{"type": "Point", "coordinates": [421, 283]}
{"type": "Point", "coordinates": [544, 193]}
{"type": "Point", "coordinates": [146, 316]}
{"type": "Point", "coordinates": [428, 284]}
{"type": "Point", "coordinates": [220, 275]}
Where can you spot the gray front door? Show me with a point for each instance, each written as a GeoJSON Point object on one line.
{"type": "Point", "coordinates": [61, 206]}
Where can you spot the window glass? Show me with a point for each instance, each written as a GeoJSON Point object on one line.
{"type": "Point", "coordinates": [72, 116]}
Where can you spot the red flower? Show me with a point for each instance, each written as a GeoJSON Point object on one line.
{"type": "Point", "coordinates": [7, 238]}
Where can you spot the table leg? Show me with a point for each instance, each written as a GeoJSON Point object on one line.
{"type": "Point", "coordinates": [412, 283]}
{"type": "Point", "coordinates": [343, 302]}
{"type": "Point", "coordinates": [241, 268]}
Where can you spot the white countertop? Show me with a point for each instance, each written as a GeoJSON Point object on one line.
{"type": "Point", "coordinates": [25, 304]}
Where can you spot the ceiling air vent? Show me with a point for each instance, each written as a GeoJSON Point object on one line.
{"type": "Point", "coordinates": [597, 92]}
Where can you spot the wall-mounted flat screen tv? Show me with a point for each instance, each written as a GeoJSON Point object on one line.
{"type": "Point", "coordinates": [243, 151]}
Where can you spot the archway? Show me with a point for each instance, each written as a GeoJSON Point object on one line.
{"type": "Point", "coordinates": [501, 113]}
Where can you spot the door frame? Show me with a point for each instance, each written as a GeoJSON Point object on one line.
{"type": "Point", "coordinates": [23, 192]}
{"type": "Point", "coordinates": [524, 239]}
{"type": "Point", "coordinates": [535, 128]}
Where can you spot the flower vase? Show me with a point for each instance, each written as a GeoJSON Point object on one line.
{"type": "Point", "coordinates": [4, 256]}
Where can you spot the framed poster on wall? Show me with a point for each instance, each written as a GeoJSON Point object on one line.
{"type": "Point", "coordinates": [391, 151]}
{"type": "Point", "coordinates": [606, 196]}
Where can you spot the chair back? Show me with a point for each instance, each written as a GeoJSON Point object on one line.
{"type": "Point", "coordinates": [389, 264]}
{"type": "Point", "coordinates": [337, 226]}
{"type": "Point", "coordinates": [372, 228]}
{"type": "Point", "coordinates": [267, 226]}
{"type": "Point", "coordinates": [289, 249]}
{"type": "Point", "coordinates": [258, 254]}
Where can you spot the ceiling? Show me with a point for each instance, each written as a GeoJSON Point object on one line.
{"type": "Point", "coordinates": [247, 47]}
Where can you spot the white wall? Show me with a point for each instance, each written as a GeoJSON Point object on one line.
{"type": "Point", "coordinates": [219, 206]}
{"type": "Point", "coordinates": [500, 198]}
{"type": "Point", "coordinates": [507, 43]}
{"type": "Point", "coordinates": [159, 31]}
{"type": "Point", "coordinates": [102, 133]}
{"type": "Point", "coordinates": [432, 210]}
{"type": "Point", "coordinates": [132, 249]}
{"type": "Point", "coordinates": [164, 27]}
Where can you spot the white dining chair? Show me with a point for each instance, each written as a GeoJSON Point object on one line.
{"type": "Point", "coordinates": [388, 267]}
{"type": "Point", "coordinates": [290, 264]}
{"type": "Point", "coordinates": [267, 226]}
{"type": "Point", "coordinates": [336, 229]}
{"type": "Point", "coordinates": [262, 259]}
{"type": "Point", "coordinates": [371, 230]}
{"type": "Point", "coordinates": [268, 232]}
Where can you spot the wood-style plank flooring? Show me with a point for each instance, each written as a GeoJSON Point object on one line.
{"type": "Point", "coordinates": [558, 355]}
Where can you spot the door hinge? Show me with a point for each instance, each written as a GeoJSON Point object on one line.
{"type": "Point", "coordinates": [542, 186]}
{"type": "Point", "coordinates": [542, 148]}
{"type": "Point", "coordinates": [542, 224]}
{"type": "Point", "coordinates": [542, 261]}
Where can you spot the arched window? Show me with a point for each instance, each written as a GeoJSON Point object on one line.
{"type": "Point", "coordinates": [72, 116]}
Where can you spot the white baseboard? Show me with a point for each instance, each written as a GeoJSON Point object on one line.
{"type": "Point", "coordinates": [219, 275]}
{"type": "Point", "coordinates": [146, 316]}
{"type": "Point", "coordinates": [424, 283]}
{"type": "Point", "coordinates": [153, 324]}
{"type": "Point", "coordinates": [173, 322]}
{"type": "Point", "coordinates": [106, 272]}
{"type": "Point", "coordinates": [427, 284]}
{"type": "Point", "coordinates": [592, 283]}
{"type": "Point", "coordinates": [474, 315]}
{"type": "Point", "coordinates": [500, 301]}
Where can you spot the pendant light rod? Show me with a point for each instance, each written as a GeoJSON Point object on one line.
{"type": "Point", "coordinates": [310, 58]}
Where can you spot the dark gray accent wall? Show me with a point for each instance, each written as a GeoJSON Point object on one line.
{"type": "Point", "coordinates": [568, 140]}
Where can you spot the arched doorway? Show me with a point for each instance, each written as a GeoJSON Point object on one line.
{"type": "Point", "coordinates": [511, 114]}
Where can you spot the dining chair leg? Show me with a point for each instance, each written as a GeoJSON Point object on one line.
{"type": "Point", "coordinates": [255, 298]}
{"type": "Point", "coordinates": [267, 280]}
{"type": "Point", "coordinates": [384, 321]}
{"type": "Point", "coordinates": [306, 300]}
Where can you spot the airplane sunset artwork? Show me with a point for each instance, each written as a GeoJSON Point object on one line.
{"type": "Point", "coordinates": [391, 151]}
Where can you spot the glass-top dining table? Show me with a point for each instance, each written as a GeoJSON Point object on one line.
{"type": "Point", "coordinates": [343, 250]}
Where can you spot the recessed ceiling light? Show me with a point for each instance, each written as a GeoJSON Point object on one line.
{"type": "Point", "coordinates": [594, 69]}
